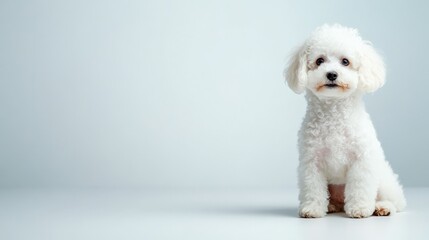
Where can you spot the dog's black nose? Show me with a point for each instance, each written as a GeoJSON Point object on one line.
{"type": "Point", "coordinates": [332, 76]}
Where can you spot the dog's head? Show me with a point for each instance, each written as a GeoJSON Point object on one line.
{"type": "Point", "coordinates": [334, 63]}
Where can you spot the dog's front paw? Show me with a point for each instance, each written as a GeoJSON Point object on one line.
{"type": "Point", "coordinates": [359, 210]}
{"type": "Point", "coordinates": [312, 211]}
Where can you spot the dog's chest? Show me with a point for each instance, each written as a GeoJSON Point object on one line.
{"type": "Point", "coordinates": [333, 139]}
{"type": "Point", "coordinates": [331, 135]}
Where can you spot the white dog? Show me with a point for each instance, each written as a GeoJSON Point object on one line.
{"type": "Point", "coordinates": [341, 163]}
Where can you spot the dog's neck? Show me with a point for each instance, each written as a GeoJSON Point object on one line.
{"type": "Point", "coordinates": [339, 108]}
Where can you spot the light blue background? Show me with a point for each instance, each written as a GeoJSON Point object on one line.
{"type": "Point", "coordinates": [188, 93]}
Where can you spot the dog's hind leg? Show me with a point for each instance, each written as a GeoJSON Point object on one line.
{"type": "Point", "coordinates": [390, 195]}
{"type": "Point", "coordinates": [390, 199]}
{"type": "Point", "coordinates": [384, 208]}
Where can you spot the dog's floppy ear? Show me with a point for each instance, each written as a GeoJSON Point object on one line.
{"type": "Point", "coordinates": [372, 72]}
{"type": "Point", "coordinates": [296, 71]}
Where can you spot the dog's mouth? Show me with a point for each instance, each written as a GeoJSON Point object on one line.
{"type": "Point", "coordinates": [331, 85]}
{"type": "Point", "coordinates": [343, 87]}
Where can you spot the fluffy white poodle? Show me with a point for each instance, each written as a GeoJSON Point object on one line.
{"type": "Point", "coordinates": [341, 164]}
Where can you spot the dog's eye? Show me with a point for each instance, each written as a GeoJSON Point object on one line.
{"type": "Point", "coordinates": [345, 62]}
{"type": "Point", "coordinates": [319, 61]}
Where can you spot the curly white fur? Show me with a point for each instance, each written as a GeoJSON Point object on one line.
{"type": "Point", "coordinates": [338, 145]}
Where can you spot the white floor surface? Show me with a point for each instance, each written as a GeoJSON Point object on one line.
{"type": "Point", "coordinates": [183, 215]}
